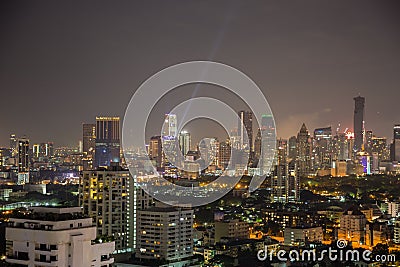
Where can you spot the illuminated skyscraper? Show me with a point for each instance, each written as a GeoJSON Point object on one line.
{"type": "Point", "coordinates": [184, 142]}
{"type": "Point", "coordinates": [224, 154]}
{"type": "Point", "coordinates": [245, 124]}
{"type": "Point", "coordinates": [396, 142]}
{"type": "Point", "coordinates": [268, 144]}
{"type": "Point", "coordinates": [170, 126]}
{"type": "Point", "coordinates": [257, 145]}
{"type": "Point", "coordinates": [292, 147]}
{"type": "Point", "coordinates": [323, 147]}
{"type": "Point", "coordinates": [23, 160]}
{"type": "Point", "coordinates": [107, 141]}
{"type": "Point", "coordinates": [89, 139]}
{"type": "Point", "coordinates": [107, 197]}
{"type": "Point", "coordinates": [304, 152]}
{"type": "Point", "coordinates": [359, 102]}
{"type": "Point", "coordinates": [13, 145]}
{"type": "Point", "coordinates": [155, 150]}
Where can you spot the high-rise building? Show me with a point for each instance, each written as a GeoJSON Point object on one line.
{"type": "Point", "coordinates": [13, 145]}
{"type": "Point", "coordinates": [89, 139]}
{"type": "Point", "coordinates": [43, 151]}
{"type": "Point", "coordinates": [165, 234]}
{"type": "Point", "coordinates": [245, 124]}
{"type": "Point", "coordinates": [23, 160]}
{"type": "Point", "coordinates": [170, 125]}
{"type": "Point", "coordinates": [257, 145]}
{"type": "Point", "coordinates": [323, 147]}
{"type": "Point", "coordinates": [292, 147]}
{"type": "Point", "coordinates": [359, 104]}
{"type": "Point", "coordinates": [155, 150]}
{"type": "Point", "coordinates": [107, 141]}
{"type": "Point", "coordinates": [52, 236]}
{"type": "Point", "coordinates": [268, 144]}
{"type": "Point", "coordinates": [396, 142]}
{"type": "Point", "coordinates": [279, 179]}
{"type": "Point", "coordinates": [107, 196]}
{"type": "Point", "coordinates": [184, 142]}
{"type": "Point", "coordinates": [224, 154]}
{"type": "Point", "coordinates": [304, 152]}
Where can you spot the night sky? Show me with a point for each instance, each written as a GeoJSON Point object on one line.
{"type": "Point", "coordinates": [64, 62]}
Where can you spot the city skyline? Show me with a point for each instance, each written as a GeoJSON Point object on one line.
{"type": "Point", "coordinates": [309, 70]}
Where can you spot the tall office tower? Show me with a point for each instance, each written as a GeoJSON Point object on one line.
{"type": "Point", "coordinates": [224, 154]}
{"type": "Point", "coordinates": [340, 147]}
{"type": "Point", "coordinates": [165, 234]}
{"type": "Point", "coordinates": [155, 150]}
{"type": "Point", "coordinates": [245, 124]}
{"type": "Point", "coordinates": [268, 144]}
{"type": "Point", "coordinates": [88, 145]}
{"type": "Point", "coordinates": [279, 179]}
{"type": "Point", "coordinates": [208, 151]}
{"type": "Point", "coordinates": [257, 145]}
{"type": "Point", "coordinates": [107, 141]}
{"type": "Point", "coordinates": [170, 125]}
{"type": "Point", "coordinates": [359, 102]}
{"type": "Point", "coordinates": [184, 142]}
{"type": "Point", "coordinates": [53, 236]}
{"type": "Point", "coordinates": [323, 147]}
{"type": "Point", "coordinates": [13, 145]}
{"type": "Point", "coordinates": [396, 142]}
{"type": "Point", "coordinates": [368, 141]}
{"type": "Point", "coordinates": [107, 196]}
{"type": "Point", "coordinates": [89, 139]}
{"type": "Point", "coordinates": [304, 151]}
{"type": "Point", "coordinates": [292, 147]}
{"type": "Point", "coordinates": [43, 151]}
{"type": "Point", "coordinates": [23, 160]}
{"type": "Point", "coordinates": [379, 146]}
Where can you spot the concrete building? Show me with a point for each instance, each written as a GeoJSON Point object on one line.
{"type": "Point", "coordinates": [231, 229]}
{"type": "Point", "coordinates": [353, 226]}
{"type": "Point", "coordinates": [107, 197]}
{"type": "Point", "coordinates": [396, 238]}
{"type": "Point", "coordinates": [164, 234]}
{"type": "Point", "coordinates": [298, 236]}
{"type": "Point", "coordinates": [394, 209]}
{"type": "Point", "coordinates": [55, 237]}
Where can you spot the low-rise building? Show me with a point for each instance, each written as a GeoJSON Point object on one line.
{"type": "Point", "coordinates": [55, 236]}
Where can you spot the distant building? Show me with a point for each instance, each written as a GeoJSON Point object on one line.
{"type": "Point", "coordinates": [377, 233]}
{"type": "Point", "coordinates": [155, 150]}
{"type": "Point", "coordinates": [184, 142]}
{"type": "Point", "coordinates": [231, 229]}
{"type": "Point", "coordinates": [23, 160]}
{"type": "Point", "coordinates": [300, 236]}
{"type": "Point", "coordinates": [88, 144]}
{"type": "Point", "coordinates": [396, 142]}
{"type": "Point", "coordinates": [394, 209]}
{"type": "Point", "coordinates": [352, 226]}
{"type": "Point", "coordinates": [322, 148]}
{"type": "Point", "coordinates": [56, 237]}
{"type": "Point", "coordinates": [304, 152]}
{"type": "Point", "coordinates": [245, 124]}
{"type": "Point", "coordinates": [359, 141]}
{"type": "Point", "coordinates": [107, 141]}
{"type": "Point", "coordinates": [396, 238]}
{"type": "Point", "coordinates": [268, 144]}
